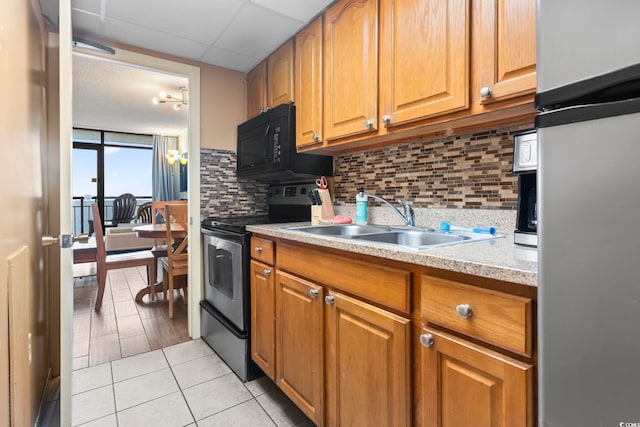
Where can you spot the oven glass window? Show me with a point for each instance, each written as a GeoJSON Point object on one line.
{"type": "Point", "coordinates": [221, 270]}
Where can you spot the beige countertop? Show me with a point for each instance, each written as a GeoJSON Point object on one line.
{"type": "Point", "coordinates": [496, 258]}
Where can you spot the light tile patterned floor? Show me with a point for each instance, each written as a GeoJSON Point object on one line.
{"type": "Point", "coordinates": [182, 385]}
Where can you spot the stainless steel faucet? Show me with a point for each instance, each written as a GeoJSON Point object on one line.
{"type": "Point", "coordinates": [408, 217]}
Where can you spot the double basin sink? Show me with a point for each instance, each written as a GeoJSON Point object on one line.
{"type": "Point", "coordinates": [406, 237]}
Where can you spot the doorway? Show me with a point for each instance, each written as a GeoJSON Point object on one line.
{"type": "Point", "coordinates": [130, 341]}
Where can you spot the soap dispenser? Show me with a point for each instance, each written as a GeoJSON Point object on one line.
{"type": "Point", "coordinates": [361, 208]}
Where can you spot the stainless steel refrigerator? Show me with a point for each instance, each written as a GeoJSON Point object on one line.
{"type": "Point", "coordinates": [588, 93]}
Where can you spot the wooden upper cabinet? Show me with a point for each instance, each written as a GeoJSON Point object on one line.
{"type": "Point", "coordinates": [368, 365]}
{"type": "Point", "coordinates": [257, 90]}
{"type": "Point", "coordinates": [350, 68]}
{"type": "Point", "coordinates": [424, 59]}
{"type": "Point", "coordinates": [507, 49]}
{"type": "Point", "coordinates": [308, 84]}
{"type": "Point", "coordinates": [280, 75]}
{"type": "Point", "coordinates": [464, 384]}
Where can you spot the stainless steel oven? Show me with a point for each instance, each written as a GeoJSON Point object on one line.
{"type": "Point", "coordinates": [225, 309]}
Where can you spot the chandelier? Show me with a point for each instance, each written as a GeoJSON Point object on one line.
{"type": "Point", "coordinates": [178, 102]}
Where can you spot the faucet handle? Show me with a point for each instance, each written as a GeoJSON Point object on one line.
{"type": "Point", "coordinates": [409, 214]}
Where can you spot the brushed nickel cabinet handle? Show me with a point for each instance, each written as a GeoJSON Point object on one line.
{"type": "Point", "coordinates": [426, 340]}
{"type": "Point", "coordinates": [464, 311]}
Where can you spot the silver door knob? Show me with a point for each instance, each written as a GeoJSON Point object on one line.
{"type": "Point", "coordinates": [313, 293]}
{"type": "Point", "coordinates": [329, 299]}
{"type": "Point", "coordinates": [316, 137]}
{"type": "Point", "coordinates": [426, 340]}
{"type": "Point", "coordinates": [464, 311]}
{"type": "Point", "coordinates": [368, 123]}
{"type": "Point", "coordinates": [258, 250]}
{"type": "Point", "coordinates": [267, 272]}
{"type": "Point", "coordinates": [386, 120]}
{"type": "Point", "coordinates": [485, 92]}
{"type": "Point", "coordinates": [64, 240]}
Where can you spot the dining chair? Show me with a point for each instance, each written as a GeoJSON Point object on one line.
{"type": "Point", "coordinates": [158, 216]}
{"type": "Point", "coordinates": [177, 261]}
{"type": "Point", "coordinates": [106, 262]}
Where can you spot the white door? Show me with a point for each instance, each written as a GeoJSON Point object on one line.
{"type": "Point", "coordinates": [31, 126]}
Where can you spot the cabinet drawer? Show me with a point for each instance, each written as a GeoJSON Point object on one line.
{"type": "Point", "coordinates": [386, 286]}
{"type": "Point", "coordinates": [495, 317]}
{"type": "Point", "coordinates": [263, 250]}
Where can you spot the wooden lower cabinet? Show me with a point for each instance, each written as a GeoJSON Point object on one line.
{"type": "Point", "coordinates": [263, 339]}
{"type": "Point", "coordinates": [464, 384]}
{"type": "Point", "coordinates": [300, 343]}
{"type": "Point", "coordinates": [368, 364]}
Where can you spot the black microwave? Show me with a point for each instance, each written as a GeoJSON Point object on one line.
{"type": "Point", "coordinates": [267, 149]}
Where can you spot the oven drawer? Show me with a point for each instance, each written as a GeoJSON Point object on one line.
{"type": "Point", "coordinates": [263, 250]}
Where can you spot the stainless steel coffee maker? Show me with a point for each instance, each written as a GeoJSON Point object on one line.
{"type": "Point", "coordinates": [525, 165]}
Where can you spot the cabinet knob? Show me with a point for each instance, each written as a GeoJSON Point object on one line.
{"type": "Point", "coordinates": [329, 299]}
{"type": "Point", "coordinates": [258, 249]}
{"type": "Point", "coordinates": [485, 92]}
{"type": "Point", "coordinates": [426, 340]}
{"type": "Point", "coordinates": [267, 272]}
{"type": "Point", "coordinates": [386, 119]}
{"type": "Point", "coordinates": [313, 293]}
{"type": "Point", "coordinates": [464, 311]}
{"type": "Point", "coordinates": [316, 137]}
{"type": "Point", "coordinates": [368, 123]}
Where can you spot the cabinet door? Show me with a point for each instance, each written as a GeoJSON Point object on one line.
{"type": "Point", "coordinates": [280, 75]}
{"type": "Point", "coordinates": [507, 32]}
{"type": "Point", "coordinates": [308, 78]}
{"type": "Point", "coordinates": [368, 364]}
{"type": "Point", "coordinates": [350, 68]}
{"type": "Point", "coordinates": [257, 90]}
{"type": "Point", "coordinates": [263, 320]}
{"type": "Point", "coordinates": [300, 343]}
{"type": "Point", "coordinates": [424, 59]}
{"type": "Point", "coordinates": [464, 384]}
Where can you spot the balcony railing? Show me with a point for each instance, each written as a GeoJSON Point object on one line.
{"type": "Point", "coordinates": [82, 210]}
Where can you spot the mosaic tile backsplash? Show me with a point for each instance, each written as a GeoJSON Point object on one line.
{"type": "Point", "coordinates": [222, 193]}
{"type": "Point", "coordinates": [470, 171]}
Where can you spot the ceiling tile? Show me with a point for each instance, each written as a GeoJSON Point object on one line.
{"type": "Point", "coordinates": [154, 40]}
{"type": "Point", "coordinates": [228, 59]}
{"type": "Point", "coordinates": [86, 23]}
{"type": "Point", "coordinates": [92, 6]}
{"type": "Point", "coordinates": [300, 10]}
{"type": "Point", "coordinates": [257, 32]}
{"type": "Point", "coordinates": [198, 20]}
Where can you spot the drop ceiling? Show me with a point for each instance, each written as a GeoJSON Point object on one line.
{"type": "Point", "coordinates": [234, 34]}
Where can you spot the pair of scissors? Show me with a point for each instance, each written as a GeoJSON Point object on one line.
{"type": "Point", "coordinates": [322, 183]}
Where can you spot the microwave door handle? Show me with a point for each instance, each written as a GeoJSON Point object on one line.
{"type": "Point", "coordinates": [266, 141]}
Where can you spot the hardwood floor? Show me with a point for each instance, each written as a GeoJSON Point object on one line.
{"type": "Point", "coordinates": [123, 327]}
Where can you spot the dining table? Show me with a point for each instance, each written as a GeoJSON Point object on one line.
{"type": "Point", "coordinates": [156, 231]}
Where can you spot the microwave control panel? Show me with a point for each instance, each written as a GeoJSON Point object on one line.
{"type": "Point", "coordinates": [276, 149]}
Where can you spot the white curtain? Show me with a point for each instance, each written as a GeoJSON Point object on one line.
{"type": "Point", "coordinates": [164, 182]}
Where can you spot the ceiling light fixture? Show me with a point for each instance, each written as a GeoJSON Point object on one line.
{"type": "Point", "coordinates": [164, 97]}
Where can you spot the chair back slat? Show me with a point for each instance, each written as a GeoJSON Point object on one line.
{"type": "Point", "coordinates": [177, 253]}
{"type": "Point", "coordinates": [101, 252]}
